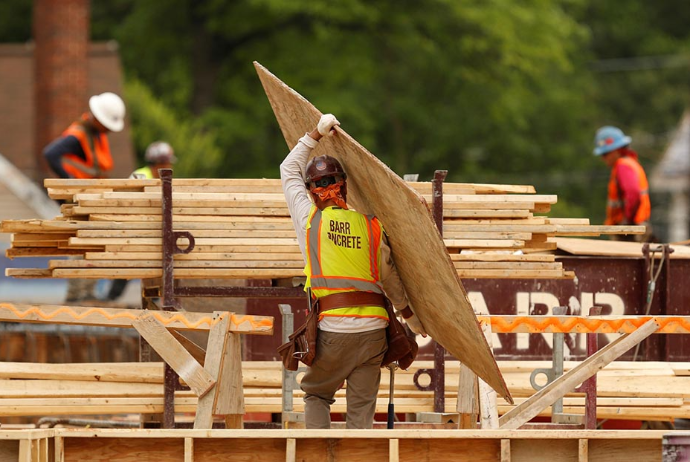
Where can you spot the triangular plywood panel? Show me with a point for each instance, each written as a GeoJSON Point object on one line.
{"type": "Point", "coordinates": [425, 267]}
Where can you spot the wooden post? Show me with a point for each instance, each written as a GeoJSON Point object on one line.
{"type": "Point", "coordinates": [215, 351]}
{"type": "Point", "coordinates": [189, 450]}
{"type": "Point", "coordinates": [583, 450]}
{"type": "Point", "coordinates": [230, 397]}
{"type": "Point", "coordinates": [487, 395]}
{"type": "Point", "coordinates": [393, 450]}
{"type": "Point", "coordinates": [468, 401]}
{"type": "Point", "coordinates": [505, 450]}
{"type": "Point", "coordinates": [290, 450]}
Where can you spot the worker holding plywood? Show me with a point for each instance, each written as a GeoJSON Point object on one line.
{"type": "Point", "coordinates": [348, 268]}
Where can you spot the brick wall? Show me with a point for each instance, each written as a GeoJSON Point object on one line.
{"type": "Point", "coordinates": [61, 34]}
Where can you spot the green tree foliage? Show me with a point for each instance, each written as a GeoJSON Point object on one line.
{"type": "Point", "coordinates": [498, 91]}
{"type": "Point", "coordinates": [197, 150]}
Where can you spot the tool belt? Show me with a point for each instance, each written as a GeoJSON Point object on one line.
{"type": "Point", "coordinates": [301, 344]}
{"type": "Point", "coordinates": [401, 346]}
{"type": "Point", "coordinates": [350, 299]}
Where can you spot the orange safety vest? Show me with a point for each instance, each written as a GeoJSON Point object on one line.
{"type": "Point", "coordinates": [615, 206]}
{"type": "Point", "coordinates": [344, 255]}
{"type": "Point", "coordinates": [92, 166]}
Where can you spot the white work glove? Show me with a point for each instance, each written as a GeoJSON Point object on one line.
{"type": "Point", "coordinates": [326, 124]}
{"type": "Point", "coordinates": [413, 321]}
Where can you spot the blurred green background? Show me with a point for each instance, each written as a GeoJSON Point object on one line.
{"type": "Point", "coordinates": [494, 91]}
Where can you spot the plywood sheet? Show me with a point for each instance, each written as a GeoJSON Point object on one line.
{"type": "Point", "coordinates": [600, 247]}
{"type": "Point", "coordinates": [423, 262]}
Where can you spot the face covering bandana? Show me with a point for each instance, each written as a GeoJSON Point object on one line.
{"type": "Point", "coordinates": [332, 192]}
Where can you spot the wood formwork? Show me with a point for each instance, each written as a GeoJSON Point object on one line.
{"type": "Point", "coordinates": [27, 445]}
{"type": "Point", "coordinates": [333, 445]}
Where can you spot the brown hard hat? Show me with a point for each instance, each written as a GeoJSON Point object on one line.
{"type": "Point", "coordinates": [323, 166]}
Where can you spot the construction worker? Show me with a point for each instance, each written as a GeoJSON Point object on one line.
{"type": "Point", "coordinates": [159, 154]}
{"type": "Point", "coordinates": [348, 268]}
{"type": "Point", "coordinates": [82, 151]}
{"type": "Point", "coordinates": [628, 191]}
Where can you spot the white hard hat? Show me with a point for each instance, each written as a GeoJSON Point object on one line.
{"type": "Point", "coordinates": [160, 152]}
{"type": "Point", "coordinates": [109, 110]}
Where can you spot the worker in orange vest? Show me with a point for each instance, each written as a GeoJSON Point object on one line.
{"type": "Point", "coordinates": [82, 151]}
{"type": "Point", "coordinates": [628, 190]}
{"type": "Point", "coordinates": [348, 269]}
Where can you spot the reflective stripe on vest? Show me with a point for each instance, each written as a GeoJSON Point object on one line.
{"type": "Point", "coordinates": [145, 172]}
{"type": "Point", "coordinates": [615, 204]}
{"type": "Point", "coordinates": [343, 256]}
{"type": "Point", "coordinates": [92, 166]}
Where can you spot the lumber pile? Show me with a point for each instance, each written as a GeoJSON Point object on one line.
{"type": "Point", "coordinates": [625, 390]}
{"type": "Point", "coordinates": [242, 229]}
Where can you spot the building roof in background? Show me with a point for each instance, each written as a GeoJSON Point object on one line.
{"type": "Point", "coordinates": [672, 173]}
{"type": "Point", "coordinates": [17, 125]}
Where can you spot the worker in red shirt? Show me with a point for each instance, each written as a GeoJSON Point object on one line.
{"type": "Point", "coordinates": [628, 191]}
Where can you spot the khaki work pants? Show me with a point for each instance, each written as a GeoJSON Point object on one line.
{"type": "Point", "coordinates": [339, 357]}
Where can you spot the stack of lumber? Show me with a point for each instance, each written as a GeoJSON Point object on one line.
{"type": "Point", "coordinates": [625, 390]}
{"type": "Point", "coordinates": [242, 229]}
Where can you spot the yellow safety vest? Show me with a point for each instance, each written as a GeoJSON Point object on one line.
{"type": "Point", "coordinates": [344, 255]}
{"type": "Point", "coordinates": [145, 171]}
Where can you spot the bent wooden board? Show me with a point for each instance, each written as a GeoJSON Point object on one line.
{"type": "Point", "coordinates": [425, 267]}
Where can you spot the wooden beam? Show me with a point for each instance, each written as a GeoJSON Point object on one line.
{"type": "Point", "coordinates": [559, 387]}
{"type": "Point", "coordinates": [215, 351]}
{"type": "Point", "coordinates": [468, 398]}
{"type": "Point", "coordinates": [584, 324]}
{"type": "Point", "coordinates": [116, 317]}
{"type": "Point", "coordinates": [179, 359]}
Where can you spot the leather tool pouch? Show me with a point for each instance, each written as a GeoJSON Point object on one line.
{"type": "Point", "coordinates": [401, 347]}
{"type": "Point", "coordinates": [301, 344]}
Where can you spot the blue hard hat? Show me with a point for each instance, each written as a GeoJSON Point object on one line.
{"type": "Point", "coordinates": [609, 139]}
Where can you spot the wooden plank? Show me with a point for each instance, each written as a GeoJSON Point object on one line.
{"type": "Point", "coordinates": [488, 411]}
{"type": "Point", "coordinates": [116, 317]}
{"type": "Point", "coordinates": [612, 248]}
{"type": "Point", "coordinates": [182, 242]}
{"type": "Point", "coordinates": [179, 359]}
{"type": "Point", "coordinates": [215, 351]}
{"type": "Point", "coordinates": [512, 213]}
{"type": "Point", "coordinates": [559, 387]}
{"type": "Point", "coordinates": [144, 273]}
{"type": "Point", "coordinates": [488, 256]}
{"type": "Point", "coordinates": [128, 256]}
{"type": "Point", "coordinates": [230, 400]}
{"type": "Point", "coordinates": [195, 263]}
{"type": "Point", "coordinates": [586, 324]}
{"type": "Point", "coordinates": [28, 273]}
{"type": "Point", "coordinates": [189, 450]}
{"type": "Point", "coordinates": [468, 398]}
{"type": "Point", "coordinates": [218, 233]}
{"type": "Point", "coordinates": [34, 388]}
{"type": "Point", "coordinates": [198, 353]}
{"type": "Point", "coordinates": [227, 211]}
{"type": "Point", "coordinates": [440, 302]}
{"type": "Point", "coordinates": [100, 372]}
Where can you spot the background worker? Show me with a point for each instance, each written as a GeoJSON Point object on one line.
{"type": "Point", "coordinates": [82, 151]}
{"type": "Point", "coordinates": [159, 154]}
{"type": "Point", "coordinates": [628, 191]}
{"type": "Point", "coordinates": [348, 268]}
